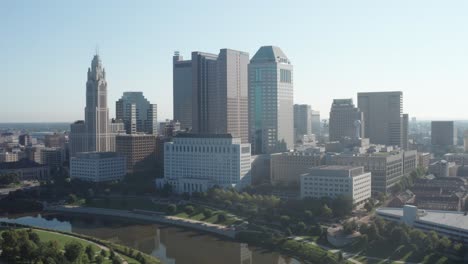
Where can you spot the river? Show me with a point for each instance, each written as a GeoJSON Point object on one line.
{"type": "Point", "coordinates": [172, 245]}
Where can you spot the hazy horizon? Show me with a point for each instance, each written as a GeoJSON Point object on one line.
{"type": "Point", "coordinates": [338, 48]}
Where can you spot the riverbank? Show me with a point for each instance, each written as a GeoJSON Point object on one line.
{"type": "Point", "coordinates": [148, 216]}
{"type": "Point", "coordinates": [124, 254]}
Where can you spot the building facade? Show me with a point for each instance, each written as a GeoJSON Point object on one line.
{"type": "Point", "coordinates": [271, 116]}
{"type": "Point", "coordinates": [382, 117]}
{"type": "Point", "coordinates": [316, 123]}
{"type": "Point", "coordinates": [137, 113]}
{"type": "Point", "coordinates": [196, 162]}
{"type": "Point", "coordinates": [346, 120]}
{"type": "Point", "coordinates": [182, 90]}
{"type": "Point", "coordinates": [25, 170]}
{"type": "Point", "coordinates": [302, 121]}
{"type": "Point", "coordinates": [138, 150]}
{"type": "Point", "coordinates": [287, 167]}
{"type": "Point", "coordinates": [98, 166]}
{"type": "Point", "coordinates": [387, 168]}
{"type": "Point", "coordinates": [334, 181]}
{"type": "Point", "coordinates": [93, 134]}
{"type": "Point", "coordinates": [443, 133]}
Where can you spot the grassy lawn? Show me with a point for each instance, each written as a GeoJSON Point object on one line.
{"type": "Point", "coordinates": [46, 236]}
{"type": "Point", "coordinates": [213, 219]}
{"type": "Point", "coordinates": [144, 203]}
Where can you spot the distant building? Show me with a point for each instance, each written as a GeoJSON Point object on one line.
{"type": "Point", "coordinates": [443, 133]}
{"type": "Point", "coordinates": [138, 150]}
{"type": "Point", "coordinates": [137, 113]}
{"type": "Point", "coordinates": [454, 225]}
{"type": "Point", "coordinates": [443, 168]}
{"type": "Point", "coordinates": [53, 157]}
{"type": "Point", "coordinates": [24, 140]}
{"type": "Point", "coordinates": [382, 117]}
{"type": "Point", "coordinates": [405, 132]}
{"type": "Point", "coordinates": [302, 121]}
{"type": "Point", "coordinates": [458, 158]}
{"type": "Point", "coordinates": [271, 124]}
{"type": "Point", "coordinates": [334, 181]}
{"type": "Point", "coordinates": [54, 141]}
{"type": "Point", "coordinates": [25, 170]}
{"type": "Point", "coordinates": [387, 168]}
{"type": "Point", "coordinates": [98, 166]}
{"type": "Point", "coordinates": [169, 128]}
{"type": "Point", "coordinates": [316, 123]}
{"type": "Point", "coordinates": [287, 167]}
{"type": "Point", "coordinates": [465, 140]}
{"type": "Point", "coordinates": [346, 120]}
{"type": "Point", "coordinates": [9, 157]}
{"type": "Point", "coordinates": [424, 159]}
{"type": "Point", "coordinates": [196, 162]}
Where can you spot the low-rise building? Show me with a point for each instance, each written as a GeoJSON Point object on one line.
{"type": "Point", "coordinates": [447, 223]}
{"type": "Point", "coordinates": [9, 157]}
{"type": "Point", "coordinates": [196, 162]}
{"type": "Point", "coordinates": [287, 167]}
{"type": "Point", "coordinates": [98, 166]}
{"type": "Point", "coordinates": [138, 149]}
{"type": "Point", "coordinates": [334, 181]}
{"type": "Point", "coordinates": [53, 157]}
{"type": "Point", "coordinates": [424, 159]}
{"type": "Point", "coordinates": [387, 168]}
{"type": "Point", "coordinates": [443, 168]}
{"type": "Point", "coordinates": [26, 169]}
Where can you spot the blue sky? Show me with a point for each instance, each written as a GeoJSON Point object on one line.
{"type": "Point", "coordinates": [338, 48]}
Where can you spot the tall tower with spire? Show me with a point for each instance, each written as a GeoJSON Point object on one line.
{"type": "Point", "coordinates": [96, 110]}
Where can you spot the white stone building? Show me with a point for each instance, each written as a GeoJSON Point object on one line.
{"type": "Point", "coordinates": [98, 166]}
{"type": "Point", "coordinates": [196, 162]}
{"type": "Point", "coordinates": [334, 181]}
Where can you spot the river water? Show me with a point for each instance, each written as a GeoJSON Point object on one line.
{"type": "Point", "coordinates": [172, 245]}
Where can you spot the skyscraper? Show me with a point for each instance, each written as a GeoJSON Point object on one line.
{"type": "Point", "coordinates": [137, 113]}
{"type": "Point", "coordinates": [405, 131]}
{"type": "Point", "coordinates": [96, 111]}
{"type": "Point", "coordinates": [271, 117]}
{"type": "Point", "coordinates": [182, 91]}
{"type": "Point", "coordinates": [316, 124]}
{"type": "Point", "coordinates": [302, 121]}
{"type": "Point", "coordinates": [94, 133]}
{"type": "Point", "coordinates": [346, 120]}
{"type": "Point", "coordinates": [382, 116]}
{"type": "Point", "coordinates": [219, 92]}
{"type": "Point", "coordinates": [443, 133]}
{"type": "Point", "coordinates": [203, 88]}
{"type": "Point", "coordinates": [229, 108]}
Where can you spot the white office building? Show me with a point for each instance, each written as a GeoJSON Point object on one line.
{"type": "Point", "coordinates": [334, 181]}
{"type": "Point", "coordinates": [196, 162]}
{"type": "Point", "coordinates": [98, 166]}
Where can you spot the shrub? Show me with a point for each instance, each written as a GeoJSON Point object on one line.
{"type": "Point", "coordinates": [171, 209]}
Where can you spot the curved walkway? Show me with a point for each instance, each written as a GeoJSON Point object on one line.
{"type": "Point", "coordinates": [148, 216]}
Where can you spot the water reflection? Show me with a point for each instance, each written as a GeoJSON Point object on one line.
{"type": "Point", "coordinates": [171, 245]}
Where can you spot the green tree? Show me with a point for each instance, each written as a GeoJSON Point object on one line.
{"type": "Point", "coordinates": [171, 209]}
{"type": "Point", "coordinates": [221, 218]}
{"type": "Point", "coordinates": [103, 253]}
{"type": "Point", "coordinates": [90, 252]}
{"type": "Point", "coordinates": [444, 244]}
{"type": "Point", "coordinates": [349, 227]}
{"type": "Point", "coordinates": [284, 220]}
{"type": "Point", "coordinates": [189, 209]}
{"type": "Point", "coordinates": [207, 213]}
{"type": "Point", "coordinates": [73, 251]}
{"type": "Point", "coordinates": [326, 211]}
{"type": "Point", "coordinates": [99, 259]}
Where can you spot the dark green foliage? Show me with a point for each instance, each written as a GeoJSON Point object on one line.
{"type": "Point", "coordinates": [221, 218]}
{"type": "Point", "coordinates": [73, 251]}
{"type": "Point", "coordinates": [189, 209]}
{"type": "Point", "coordinates": [171, 209]}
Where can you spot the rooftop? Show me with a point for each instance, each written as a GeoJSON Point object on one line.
{"type": "Point", "coordinates": [193, 135]}
{"type": "Point", "coordinates": [444, 218]}
{"type": "Point", "coordinates": [336, 170]}
{"type": "Point", "coordinates": [270, 54]}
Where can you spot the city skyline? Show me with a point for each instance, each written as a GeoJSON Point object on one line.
{"type": "Point", "coordinates": [417, 48]}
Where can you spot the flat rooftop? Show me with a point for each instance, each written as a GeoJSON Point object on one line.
{"type": "Point", "coordinates": [336, 170]}
{"type": "Point", "coordinates": [441, 218]}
